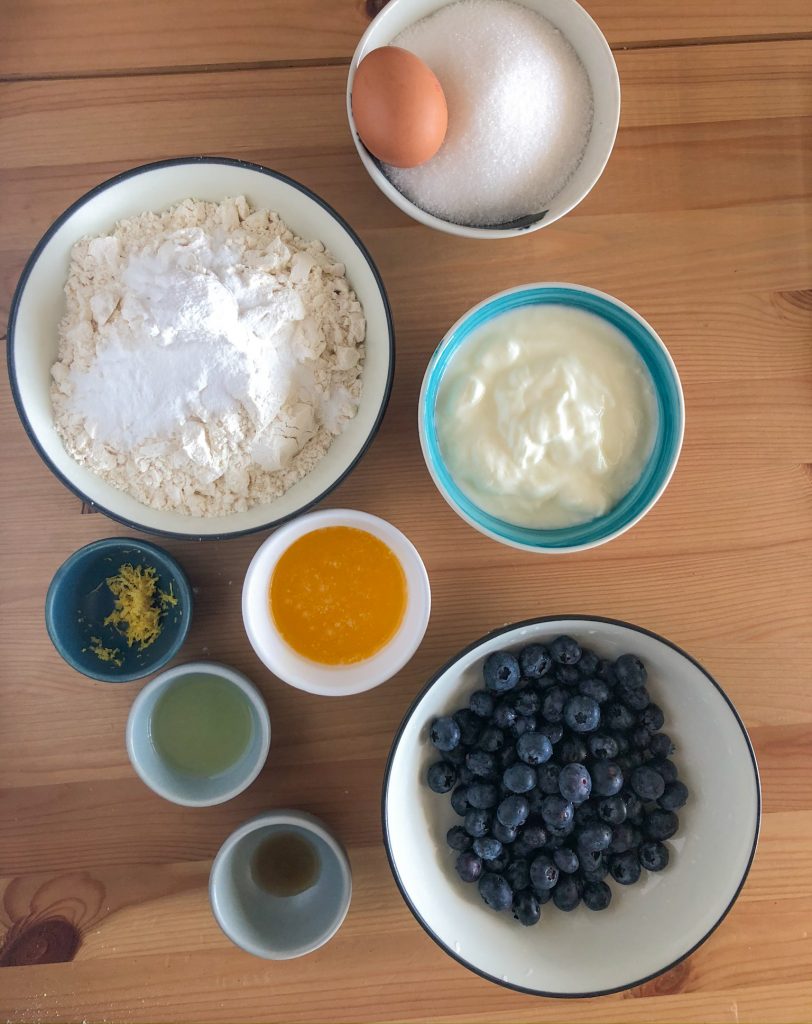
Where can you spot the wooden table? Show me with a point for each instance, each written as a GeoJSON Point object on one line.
{"type": "Point", "coordinates": [702, 222]}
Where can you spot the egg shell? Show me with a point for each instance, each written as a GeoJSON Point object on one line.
{"type": "Point", "coordinates": [399, 107]}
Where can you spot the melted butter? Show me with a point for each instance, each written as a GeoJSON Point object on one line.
{"type": "Point", "coordinates": [338, 595]}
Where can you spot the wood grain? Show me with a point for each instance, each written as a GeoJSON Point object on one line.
{"type": "Point", "coordinates": [703, 222]}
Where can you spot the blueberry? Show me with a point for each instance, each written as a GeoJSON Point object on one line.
{"type": "Point", "coordinates": [621, 739]}
{"type": "Point", "coordinates": [629, 669]}
{"type": "Point", "coordinates": [477, 822]}
{"type": "Point", "coordinates": [597, 896]}
{"type": "Point", "coordinates": [585, 812]}
{"type": "Point", "coordinates": [470, 726]}
{"type": "Point", "coordinates": [628, 762]}
{"type": "Point", "coordinates": [445, 733]}
{"type": "Point", "coordinates": [625, 867]}
{"type": "Point", "coordinates": [481, 763]}
{"type": "Point", "coordinates": [495, 891]}
{"type": "Point", "coordinates": [534, 748]}
{"type": "Point", "coordinates": [556, 811]}
{"type": "Point", "coordinates": [588, 663]}
{"type": "Point", "coordinates": [565, 859]}
{"type": "Point", "coordinates": [675, 795]}
{"type": "Point", "coordinates": [465, 775]}
{"type": "Point", "coordinates": [526, 909]}
{"type": "Point", "coordinates": [518, 875]}
{"type": "Point", "coordinates": [543, 872]}
{"type": "Point", "coordinates": [625, 837]}
{"type": "Point", "coordinates": [574, 783]}
{"type": "Point", "coordinates": [513, 811]}
{"type": "Point", "coordinates": [497, 864]}
{"type": "Point", "coordinates": [455, 756]}
{"type": "Point", "coordinates": [547, 776]}
{"type": "Point", "coordinates": [565, 650]}
{"type": "Point", "coordinates": [458, 839]}
{"type": "Point", "coordinates": [606, 672]}
{"type": "Point", "coordinates": [552, 706]}
{"type": "Point", "coordinates": [487, 847]}
{"type": "Point", "coordinates": [618, 717]}
{"type": "Point", "coordinates": [594, 866]}
{"type": "Point", "coordinates": [519, 778]}
{"type": "Point", "coordinates": [543, 895]}
{"type": "Point", "coordinates": [594, 837]}
{"type": "Point", "coordinates": [555, 843]}
{"type": "Point", "coordinates": [459, 800]}
{"type": "Point", "coordinates": [661, 745]}
{"type": "Point", "coordinates": [481, 703]}
{"type": "Point", "coordinates": [522, 725]}
{"type": "Point", "coordinates": [653, 856]}
{"type": "Point", "coordinates": [534, 836]}
{"type": "Point", "coordinates": [666, 768]}
{"type": "Point", "coordinates": [482, 795]}
{"type": "Point", "coordinates": [492, 740]}
{"type": "Point", "coordinates": [559, 832]}
{"type": "Point", "coordinates": [566, 894]}
{"type": "Point", "coordinates": [528, 702]}
{"type": "Point", "coordinates": [647, 783]}
{"type": "Point", "coordinates": [535, 661]}
{"type": "Point", "coordinates": [567, 675]}
{"type": "Point", "coordinates": [602, 747]}
{"type": "Point", "coordinates": [582, 714]}
{"type": "Point", "coordinates": [594, 688]}
{"type": "Point", "coordinates": [441, 777]}
{"type": "Point", "coordinates": [607, 778]}
{"type": "Point", "coordinates": [641, 737]}
{"type": "Point", "coordinates": [507, 756]}
{"type": "Point", "coordinates": [552, 730]}
{"type": "Point", "coordinates": [634, 698]}
{"type": "Point", "coordinates": [661, 824]}
{"type": "Point", "coordinates": [612, 810]}
{"type": "Point", "coordinates": [634, 806]}
{"type": "Point", "coordinates": [504, 715]}
{"type": "Point", "coordinates": [501, 671]}
{"type": "Point", "coordinates": [535, 798]}
{"type": "Point", "coordinates": [469, 866]}
{"type": "Point", "coordinates": [652, 718]}
{"type": "Point", "coordinates": [572, 749]}
{"type": "Point", "coordinates": [504, 834]}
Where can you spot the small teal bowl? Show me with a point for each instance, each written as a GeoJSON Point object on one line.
{"type": "Point", "coordinates": [78, 601]}
{"type": "Point", "coordinates": [667, 442]}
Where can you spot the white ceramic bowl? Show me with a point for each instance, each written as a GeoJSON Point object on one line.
{"type": "Point", "coordinates": [649, 927]}
{"type": "Point", "coordinates": [163, 778]}
{"type": "Point", "coordinates": [590, 45]}
{"type": "Point", "coordinates": [38, 306]}
{"type": "Point", "coordinates": [269, 926]}
{"type": "Point", "coordinates": [334, 680]}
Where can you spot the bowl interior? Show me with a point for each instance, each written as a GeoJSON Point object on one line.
{"type": "Point", "coordinates": [667, 442]}
{"type": "Point", "coordinates": [40, 306]}
{"type": "Point", "coordinates": [79, 600]}
{"type": "Point", "coordinates": [272, 926]}
{"type": "Point", "coordinates": [164, 778]}
{"type": "Point", "coordinates": [591, 46]}
{"type": "Point", "coordinates": [649, 926]}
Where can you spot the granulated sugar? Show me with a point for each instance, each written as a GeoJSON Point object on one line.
{"type": "Point", "coordinates": [519, 112]}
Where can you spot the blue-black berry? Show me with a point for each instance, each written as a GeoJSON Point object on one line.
{"type": "Point", "coordinates": [501, 671]}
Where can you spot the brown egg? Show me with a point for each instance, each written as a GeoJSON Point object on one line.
{"type": "Point", "coordinates": [399, 107]}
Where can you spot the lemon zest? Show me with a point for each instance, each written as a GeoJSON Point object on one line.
{"type": "Point", "coordinates": [139, 604]}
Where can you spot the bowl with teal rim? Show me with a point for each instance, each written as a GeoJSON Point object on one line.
{"type": "Point", "coordinates": [667, 443]}
{"type": "Point", "coordinates": [79, 600]}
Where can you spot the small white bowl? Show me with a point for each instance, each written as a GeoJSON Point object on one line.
{"type": "Point", "coordinates": [334, 680]}
{"type": "Point", "coordinates": [649, 927]}
{"type": "Point", "coordinates": [39, 302]}
{"type": "Point", "coordinates": [590, 45]}
{"type": "Point", "coordinates": [187, 790]}
{"type": "Point", "coordinates": [270, 926]}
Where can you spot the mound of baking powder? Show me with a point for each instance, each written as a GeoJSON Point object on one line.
{"type": "Point", "coordinates": [207, 357]}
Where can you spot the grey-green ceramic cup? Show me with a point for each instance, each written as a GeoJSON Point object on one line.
{"type": "Point", "coordinates": [273, 927]}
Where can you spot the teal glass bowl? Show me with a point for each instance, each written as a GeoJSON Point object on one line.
{"type": "Point", "coordinates": [667, 442]}
{"type": "Point", "coordinates": [78, 601]}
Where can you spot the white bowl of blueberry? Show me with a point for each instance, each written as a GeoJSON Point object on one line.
{"type": "Point", "coordinates": [571, 806]}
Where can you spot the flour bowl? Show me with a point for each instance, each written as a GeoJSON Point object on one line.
{"type": "Point", "coordinates": [649, 927]}
{"type": "Point", "coordinates": [38, 306]}
{"type": "Point", "coordinates": [587, 40]}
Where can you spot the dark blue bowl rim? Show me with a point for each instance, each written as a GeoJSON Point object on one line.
{"type": "Point", "coordinates": [112, 543]}
{"type": "Point", "coordinates": [115, 180]}
{"type": "Point", "coordinates": [388, 769]}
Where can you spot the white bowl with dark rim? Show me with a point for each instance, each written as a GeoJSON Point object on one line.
{"type": "Point", "coordinates": [38, 305]}
{"type": "Point", "coordinates": [649, 927]}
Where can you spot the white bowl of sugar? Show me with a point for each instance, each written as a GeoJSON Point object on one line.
{"type": "Point", "coordinates": [533, 105]}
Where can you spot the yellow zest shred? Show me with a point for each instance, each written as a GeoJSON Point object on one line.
{"type": "Point", "coordinates": [105, 653]}
{"type": "Point", "coordinates": [139, 604]}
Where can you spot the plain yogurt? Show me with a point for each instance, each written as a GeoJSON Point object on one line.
{"type": "Point", "coordinates": [546, 416]}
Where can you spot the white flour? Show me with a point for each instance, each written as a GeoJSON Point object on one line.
{"type": "Point", "coordinates": [207, 357]}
